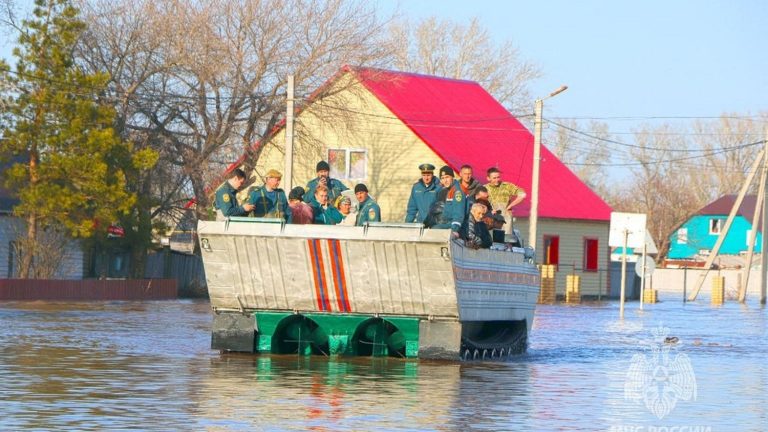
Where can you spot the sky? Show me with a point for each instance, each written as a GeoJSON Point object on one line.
{"type": "Point", "coordinates": [672, 58]}
{"type": "Point", "coordinates": [652, 58]}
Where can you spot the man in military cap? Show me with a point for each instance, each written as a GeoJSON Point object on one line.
{"type": "Point", "coordinates": [368, 210]}
{"type": "Point", "coordinates": [423, 194]}
{"type": "Point", "coordinates": [269, 200]}
{"type": "Point", "coordinates": [226, 197]}
{"type": "Point", "coordinates": [453, 201]}
{"type": "Point", "coordinates": [335, 187]}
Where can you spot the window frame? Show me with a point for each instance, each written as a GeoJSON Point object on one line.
{"type": "Point", "coordinates": [592, 257]}
{"type": "Point", "coordinates": [715, 222]}
{"type": "Point", "coordinates": [547, 251]}
{"type": "Point", "coordinates": [347, 157]}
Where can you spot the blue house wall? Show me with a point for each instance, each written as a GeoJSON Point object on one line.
{"type": "Point", "coordinates": [700, 238]}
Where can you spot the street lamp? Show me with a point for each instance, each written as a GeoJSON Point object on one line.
{"type": "Point", "coordinates": [534, 216]}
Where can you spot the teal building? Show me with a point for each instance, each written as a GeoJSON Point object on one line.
{"type": "Point", "coordinates": [697, 236]}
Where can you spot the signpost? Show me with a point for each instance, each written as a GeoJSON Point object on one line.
{"type": "Point", "coordinates": [627, 230]}
{"type": "Point", "coordinates": [646, 266]}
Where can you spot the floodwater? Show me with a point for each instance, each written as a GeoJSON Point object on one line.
{"type": "Point", "coordinates": [148, 366]}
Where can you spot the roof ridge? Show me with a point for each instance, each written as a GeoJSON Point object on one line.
{"type": "Point", "coordinates": [409, 74]}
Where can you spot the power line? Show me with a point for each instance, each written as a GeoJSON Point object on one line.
{"type": "Point", "coordinates": [624, 144]}
{"type": "Point", "coordinates": [669, 160]}
{"type": "Point", "coordinates": [757, 117]}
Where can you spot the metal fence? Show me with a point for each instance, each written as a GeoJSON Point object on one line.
{"type": "Point", "coordinates": [88, 289]}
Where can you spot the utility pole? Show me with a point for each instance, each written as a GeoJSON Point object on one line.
{"type": "Point", "coordinates": [764, 251]}
{"type": "Point", "coordinates": [753, 233]}
{"type": "Point", "coordinates": [534, 215]}
{"type": "Point", "coordinates": [288, 183]}
{"type": "Point", "coordinates": [728, 222]}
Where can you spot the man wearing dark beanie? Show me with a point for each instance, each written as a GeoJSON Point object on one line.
{"type": "Point", "coordinates": [335, 187]}
{"type": "Point", "coordinates": [369, 210]}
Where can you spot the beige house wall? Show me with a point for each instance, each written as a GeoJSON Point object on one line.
{"type": "Point", "coordinates": [355, 119]}
{"type": "Point", "coordinates": [572, 234]}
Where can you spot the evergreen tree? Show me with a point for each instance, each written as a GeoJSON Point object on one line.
{"type": "Point", "coordinates": [74, 166]}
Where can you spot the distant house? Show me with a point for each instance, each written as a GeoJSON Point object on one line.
{"type": "Point", "coordinates": [376, 127]}
{"type": "Point", "coordinates": [74, 262]}
{"type": "Point", "coordinates": [696, 238]}
{"type": "Point", "coordinates": [11, 228]}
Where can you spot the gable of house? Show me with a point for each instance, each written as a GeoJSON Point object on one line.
{"type": "Point", "coordinates": [401, 120]}
{"type": "Point", "coordinates": [464, 124]}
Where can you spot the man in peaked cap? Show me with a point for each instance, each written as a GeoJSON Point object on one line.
{"type": "Point", "coordinates": [335, 187]}
{"type": "Point", "coordinates": [269, 200]}
{"type": "Point", "coordinates": [423, 194]}
{"type": "Point", "coordinates": [368, 211]}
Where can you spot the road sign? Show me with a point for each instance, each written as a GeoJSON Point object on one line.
{"type": "Point", "coordinates": [650, 266]}
{"type": "Point", "coordinates": [631, 224]}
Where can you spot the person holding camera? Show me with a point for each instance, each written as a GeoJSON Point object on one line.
{"type": "Point", "coordinates": [335, 187]}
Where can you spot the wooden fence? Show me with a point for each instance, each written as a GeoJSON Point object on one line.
{"type": "Point", "coordinates": [186, 269]}
{"type": "Point", "coordinates": [88, 289]}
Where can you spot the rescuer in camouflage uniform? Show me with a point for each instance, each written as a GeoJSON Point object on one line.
{"type": "Point", "coordinates": [269, 200]}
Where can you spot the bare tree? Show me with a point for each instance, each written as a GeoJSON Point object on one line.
{"type": "Point", "coordinates": [585, 153]}
{"type": "Point", "coordinates": [659, 183]}
{"type": "Point", "coordinates": [729, 148]}
{"type": "Point", "coordinates": [449, 49]}
{"type": "Point", "coordinates": [203, 81]}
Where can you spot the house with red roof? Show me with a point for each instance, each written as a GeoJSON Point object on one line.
{"type": "Point", "coordinates": [377, 126]}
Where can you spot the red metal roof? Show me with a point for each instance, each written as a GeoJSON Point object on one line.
{"type": "Point", "coordinates": [464, 124]}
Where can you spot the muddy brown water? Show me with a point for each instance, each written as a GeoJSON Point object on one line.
{"type": "Point", "coordinates": [148, 366]}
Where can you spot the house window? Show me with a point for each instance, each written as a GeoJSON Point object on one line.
{"type": "Point", "coordinates": [590, 254]}
{"type": "Point", "coordinates": [551, 249]}
{"type": "Point", "coordinates": [715, 225]}
{"type": "Point", "coordinates": [348, 164]}
{"type": "Point", "coordinates": [749, 234]}
{"type": "Point", "coordinates": [682, 236]}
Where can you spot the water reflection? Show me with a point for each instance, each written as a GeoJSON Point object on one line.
{"type": "Point", "coordinates": [147, 365]}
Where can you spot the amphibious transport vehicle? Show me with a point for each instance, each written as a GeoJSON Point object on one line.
{"type": "Point", "coordinates": [382, 289]}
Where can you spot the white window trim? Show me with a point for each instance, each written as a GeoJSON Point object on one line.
{"type": "Point", "coordinates": [347, 166]}
{"type": "Point", "coordinates": [719, 226]}
{"type": "Point", "coordinates": [682, 236]}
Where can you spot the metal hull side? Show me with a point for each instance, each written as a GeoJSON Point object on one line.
{"type": "Point", "coordinates": [494, 285]}
{"type": "Point", "coordinates": [310, 268]}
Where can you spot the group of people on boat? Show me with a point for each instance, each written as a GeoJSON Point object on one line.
{"type": "Point", "coordinates": [471, 210]}
{"type": "Point", "coordinates": [323, 202]}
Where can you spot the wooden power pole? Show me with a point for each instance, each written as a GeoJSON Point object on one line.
{"type": "Point", "coordinates": [728, 222]}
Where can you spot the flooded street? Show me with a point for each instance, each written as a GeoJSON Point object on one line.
{"type": "Point", "coordinates": [148, 366]}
